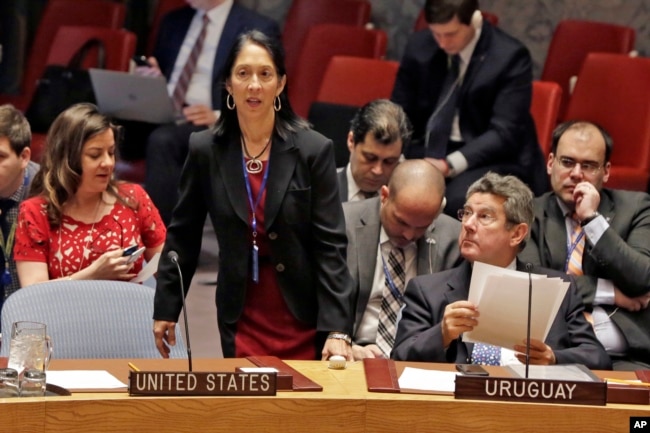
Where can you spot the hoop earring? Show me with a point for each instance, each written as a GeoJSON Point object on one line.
{"type": "Point", "coordinates": [230, 99]}
{"type": "Point", "coordinates": [278, 106]}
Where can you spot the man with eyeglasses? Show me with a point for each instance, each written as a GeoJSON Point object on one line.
{"type": "Point", "coordinates": [495, 219]}
{"type": "Point", "coordinates": [599, 235]}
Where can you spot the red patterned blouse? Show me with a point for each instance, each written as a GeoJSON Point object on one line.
{"type": "Point", "coordinates": [75, 245]}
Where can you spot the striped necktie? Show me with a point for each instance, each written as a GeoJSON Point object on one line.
{"type": "Point", "coordinates": [391, 304]}
{"type": "Point", "coordinates": [575, 250]}
{"type": "Point", "coordinates": [183, 83]}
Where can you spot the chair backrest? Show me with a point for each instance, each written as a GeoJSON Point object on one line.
{"type": "Point", "coordinates": [90, 319]}
{"type": "Point", "coordinates": [421, 22]}
{"type": "Point", "coordinates": [57, 13]}
{"type": "Point", "coordinates": [303, 14]}
{"type": "Point", "coordinates": [163, 7]}
{"type": "Point", "coordinates": [346, 86]}
{"type": "Point", "coordinates": [119, 46]}
{"type": "Point", "coordinates": [322, 43]}
{"type": "Point", "coordinates": [544, 108]}
{"type": "Point", "coordinates": [571, 42]}
{"type": "Point", "coordinates": [613, 90]}
{"type": "Point", "coordinates": [357, 80]}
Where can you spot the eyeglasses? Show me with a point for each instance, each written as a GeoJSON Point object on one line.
{"type": "Point", "coordinates": [590, 168]}
{"type": "Point", "coordinates": [484, 218]}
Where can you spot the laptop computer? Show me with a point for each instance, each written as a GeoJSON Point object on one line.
{"type": "Point", "coordinates": [132, 97]}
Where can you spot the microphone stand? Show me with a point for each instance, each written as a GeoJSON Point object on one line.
{"type": "Point", "coordinates": [173, 256]}
{"type": "Point", "coordinates": [530, 297]}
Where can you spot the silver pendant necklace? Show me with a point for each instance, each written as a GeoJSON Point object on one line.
{"type": "Point", "coordinates": [254, 165]}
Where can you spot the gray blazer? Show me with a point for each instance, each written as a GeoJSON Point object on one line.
{"type": "Point", "coordinates": [622, 255]}
{"type": "Point", "coordinates": [437, 249]}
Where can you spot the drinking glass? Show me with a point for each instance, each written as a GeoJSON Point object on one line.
{"type": "Point", "coordinates": [30, 348]}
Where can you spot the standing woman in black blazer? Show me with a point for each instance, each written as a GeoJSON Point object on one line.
{"type": "Point", "coordinates": [268, 183]}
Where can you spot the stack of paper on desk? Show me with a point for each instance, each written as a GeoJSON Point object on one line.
{"type": "Point", "coordinates": [502, 298]}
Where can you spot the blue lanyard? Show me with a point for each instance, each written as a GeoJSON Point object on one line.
{"type": "Point", "coordinates": [391, 284]}
{"type": "Point", "coordinates": [572, 247]}
{"type": "Point", "coordinates": [253, 206]}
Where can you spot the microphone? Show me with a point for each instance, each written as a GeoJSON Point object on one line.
{"type": "Point", "coordinates": [529, 268]}
{"type": "Point", "coordinates": [173, 256]}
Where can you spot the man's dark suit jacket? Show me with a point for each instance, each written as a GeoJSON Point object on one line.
{"type": "Point", "coordinates": [493, 103]}
{"type": "Point", "coordinates": [175, 24]}
{"type": "Point", "coordinates": [304, 225]}
{"type": "Point", "coordinates": [419, 333]}
{"type": "Point", "coordinates": [437, 249]}
{"type": "Point", "coordinates": [622, 255]}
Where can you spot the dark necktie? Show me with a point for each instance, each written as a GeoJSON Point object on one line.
{"type": "Point", "coordinates": [184, 79]}
{"type": "Point", "coordinates": [439, 124]}
{"type": "Point", "coordinates": [368, 194]}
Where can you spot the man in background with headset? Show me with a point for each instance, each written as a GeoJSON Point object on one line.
{"type": "Point", "coordinates": [392, 238]}
{"type": "Point", "coordinates": [466, 86]}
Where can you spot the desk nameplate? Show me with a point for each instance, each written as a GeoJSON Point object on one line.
{"type": "Point", "coordinates": [158, 383]}
{"type": "Point", "coordinates": [531, 390]}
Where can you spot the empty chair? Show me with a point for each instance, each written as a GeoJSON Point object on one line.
{"type": "Point", "coordinates": [322, 43]}
{"type": "Point", "coordinates": [348, 83]}
{"type": "Point", "coordinates": [613, 90]}
{"type": "Point", "coordinates": [90, 319]}
{"type": "Point", "coordinates": [57, 13]}
{"type": "Point", "coordinates": [119, 47]}
{"type": "Point", "coordinates": [544, 108]}
{"type": "Point", "coordinates": [421, 22]}
{"type": "Point", "coordinates": [303, 14]}
{"type": "Point", "coordinates": [572, 41]}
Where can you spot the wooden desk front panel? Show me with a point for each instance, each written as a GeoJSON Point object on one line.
{"type": "Point", "coordinates": [343, 406]}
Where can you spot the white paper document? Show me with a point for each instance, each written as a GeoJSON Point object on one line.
{"type": "Point", "coordinates": [83, 379]}
{"type": "Point", "coordinates": [148, 271]}
{"type": "Point", "coordinates": [428, 380]}
{"type": "Point", "coordinates": [502, 298]}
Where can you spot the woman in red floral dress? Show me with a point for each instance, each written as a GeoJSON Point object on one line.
{"type": "Point", "coordinates": [79, 220]}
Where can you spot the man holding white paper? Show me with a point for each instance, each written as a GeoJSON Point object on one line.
{"type": "Point", "coordinates": [495, 219]}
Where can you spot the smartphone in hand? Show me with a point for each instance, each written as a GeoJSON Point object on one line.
{"type": "Point", "coordinates": [133, 252]}
{"type": "Point", "coordinates": [472, 370]}
{"type": "Point", "coordinates": [141, 61]}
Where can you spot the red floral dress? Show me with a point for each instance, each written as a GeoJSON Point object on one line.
{"type": "Point", "coordinates": [75, 245]}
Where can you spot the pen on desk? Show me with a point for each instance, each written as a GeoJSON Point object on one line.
{"type": "Point", "coordinates": [627, 382]}
{"type": "Point", "coordinates": [133, 367]}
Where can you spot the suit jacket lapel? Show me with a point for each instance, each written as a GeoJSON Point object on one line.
{"type": "Point", "coordinates": [228, 157]}
{"type": "Point", "coordinates": [478, 58]}
{"type": "Point", "coordinates": [367, 236]}
{"type": "Point", "coordinates": [226, 41]}
{"type": "Point", "coordinates": [555, 228]}
{"type": "Point", "coordinates": [283, 159]}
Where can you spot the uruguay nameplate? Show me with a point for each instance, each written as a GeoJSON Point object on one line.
{"type": "Point", "coordinates": [144, 383]}
{"type": "Point", "coordinates": [530, 390]}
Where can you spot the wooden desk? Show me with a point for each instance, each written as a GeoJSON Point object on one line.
{"type": "Point", "coordinates": [343, 406]}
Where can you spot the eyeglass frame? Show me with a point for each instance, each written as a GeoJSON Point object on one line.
{"type": "Point", "coordinates": [587, 167]}
{"type": "Point", "coordinates": [460, 214]}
